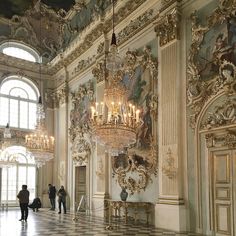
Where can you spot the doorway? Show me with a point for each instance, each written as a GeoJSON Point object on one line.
{"type": "Point", "coordinates": [80, 184]}
{"type": "Point", "coordinates": [222, 169]}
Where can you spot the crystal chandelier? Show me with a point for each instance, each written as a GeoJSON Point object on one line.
{"type": "Point", "coordinates": [39, 143]}
{"type": "Point", "coordinates": [115, 121]}
{"type": "Point", "coordinates": [113, 61]}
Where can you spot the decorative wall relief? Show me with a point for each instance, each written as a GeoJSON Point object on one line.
{"type": "Point", "coordinates": [168, 27]}
{"type": "Point", "coordinates": [169, 168]}
{"type": "Point", "coordinates": [100, 168]}
{"type": "Point", "coordinates": [133, 170]}
{"type": "Point", "coordinates": [223, 114]}
{"type": "Point", "coordinates": [221, 139]}
{"type": "Point", "coordinates": [211, 60]}
{"type": "Point", "coordinates": [79, 115]}
{"type": "Point", "coordinates": [81, 149]}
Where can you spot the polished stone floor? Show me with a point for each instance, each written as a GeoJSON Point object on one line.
{"type": "Point", "coordinates": [47, 222]}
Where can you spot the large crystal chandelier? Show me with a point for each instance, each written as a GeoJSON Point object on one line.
{"type": "Point", "coordinates": [113, 61]}
{"type": "Point", "coordinates": [39, 143]}
{"type": "Point", "coordinates": [115, 120]}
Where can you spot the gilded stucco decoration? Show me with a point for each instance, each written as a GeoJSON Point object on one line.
{"type": "Point", "coordinates": [58, 97]}
{"type": "Point", "coordinates": [221, 139]}
{"type": "Point", "coordinates": [169, 167]}
{"type": "Point", "coordinates": [133, 169]}
{"type": "Point", "coordinates": [82, 98]}
{"type": "Point", "coordinates": [81, 149]}
{"type": "Point", "coordinates": [100, 168]}
{"type": "Point", "coordinates": [223, 114]}
{"type": "Point", "coordinates": [211, 61]}
{"type": "Point", "coordinates": [168, 27]}
{"type": "Point", "coordinates": [83, 64]}
{"type": "Point", "coordinates": [135, 25]}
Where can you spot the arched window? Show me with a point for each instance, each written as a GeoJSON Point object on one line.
{"type": "Point", "coordinates": [20, 50]}
{"type": "Point", "coordinates": [18, 101]}
{"type": "Point", "coordinates": [14, 176]}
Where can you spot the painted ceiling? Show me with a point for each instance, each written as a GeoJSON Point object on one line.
{"type": "Point", "coordinates": [47, 25]}
{"type": "Point", "coordinates": [8, 8]}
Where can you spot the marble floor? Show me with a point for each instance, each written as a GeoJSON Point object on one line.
{"type": "Point", "coordinates": [46, 222]}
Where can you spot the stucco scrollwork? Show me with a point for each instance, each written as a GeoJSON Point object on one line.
{"type": "Point", "coordinates": [81, 150]}
{"type": "Point", "coordinates": [133, 170]}
{"type": "Point", "coordinates": [225, 139]}
{"type": "Point", "coordinates": [211, 64]}
{"type": "Point", "coordinates": [222, 115]}
{"type": "Point", "coordinates": [79, 115]}
{"type": "Point", "coordinates": [167, 27]}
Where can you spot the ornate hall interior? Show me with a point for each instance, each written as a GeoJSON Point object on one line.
{"type": "Point", "coordinates": [128, 104]}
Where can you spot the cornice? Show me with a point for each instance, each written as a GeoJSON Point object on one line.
{"type": "Point", "coordinates": [96, 32]}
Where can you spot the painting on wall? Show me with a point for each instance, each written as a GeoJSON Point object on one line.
{"type": "Point", "coordinates": [219, 44]}
{"type": "Point", "coordinates": [212, 57]}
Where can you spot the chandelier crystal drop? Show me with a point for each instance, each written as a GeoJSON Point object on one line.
{"type": "Point", "coordinates": [115, 120]}
{"type": "Point", "coordinates": [39, 143]}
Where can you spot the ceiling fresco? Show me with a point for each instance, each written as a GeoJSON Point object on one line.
{"type": "Point", "coordinates": [9, 8]}
{"type": "Point", "coordinates": [48, 25]}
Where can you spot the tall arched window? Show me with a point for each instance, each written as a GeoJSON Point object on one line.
{"type": "Point", "coordinates": [14, 176]}
{"type": "Point", "coordinates": [18, 100]}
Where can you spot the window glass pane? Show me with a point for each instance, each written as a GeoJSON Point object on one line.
{"type": "Point", "coordinates": [19, 53]}
{"type": "Point", "coordinates": [31, 181]}
{"type": "Point", "coordinates": [12, 191]}
{"type": "Point", "coordinates": [32, 115]}
{"type": "Point", "coordinates": [4, 184]}
{"type": "Point", "coordinates": [4, 110]}
{"type": "Point", "coordinates": [22, 174]}
{"type": "Point", "coordinates": [18, 92]}
{"type": "Point", "coordinates": [24, 114]}
{"type": "Point", "coordinates": [14, 113]}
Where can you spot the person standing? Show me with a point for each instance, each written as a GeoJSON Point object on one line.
{"type": "Point", "coordinates": [23, 196]}
{"type": "Point", "coordinates": [62, 199]}
{"type": "Point", "coordinates": [52, 196]}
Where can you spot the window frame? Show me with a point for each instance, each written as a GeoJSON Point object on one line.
{"type": "Point", "coordinates": [19, 100]}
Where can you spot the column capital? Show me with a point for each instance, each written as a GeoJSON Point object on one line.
{"type": "Point", "coordinates": [168, 27]}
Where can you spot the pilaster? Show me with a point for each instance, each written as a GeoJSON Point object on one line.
{"type": "Point", "coordinates": [170, 206]}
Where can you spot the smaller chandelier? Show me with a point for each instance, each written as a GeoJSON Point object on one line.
{"type": "Point", "coordinates": [113, 60]}
{"type": "Point", "coordinates": [39, 143]}
{"type": "Point", "coordinates": [115, 121]}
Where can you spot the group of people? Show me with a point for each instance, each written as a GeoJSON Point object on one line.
{"type": "Point", "coordinates": [24, 194]}
{"type": "Point", "coordinates": [61, 198]}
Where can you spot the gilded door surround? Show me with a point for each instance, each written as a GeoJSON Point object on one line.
{"type": "Point", "coordinates": [219, 137]}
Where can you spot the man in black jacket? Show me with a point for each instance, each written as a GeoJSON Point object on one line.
{"type": "Point", "coordinates": [52, 196]}
{"type": "Point", "coordinates": [23, 197]}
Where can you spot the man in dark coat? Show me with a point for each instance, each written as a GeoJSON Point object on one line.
{"type": "Point", "coordinates": [23, 196]}
{"type": "Point", "coordinates": [52, 196]}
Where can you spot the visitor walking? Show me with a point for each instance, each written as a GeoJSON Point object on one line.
{"type": "Point", "coordinates": [23, 196]}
